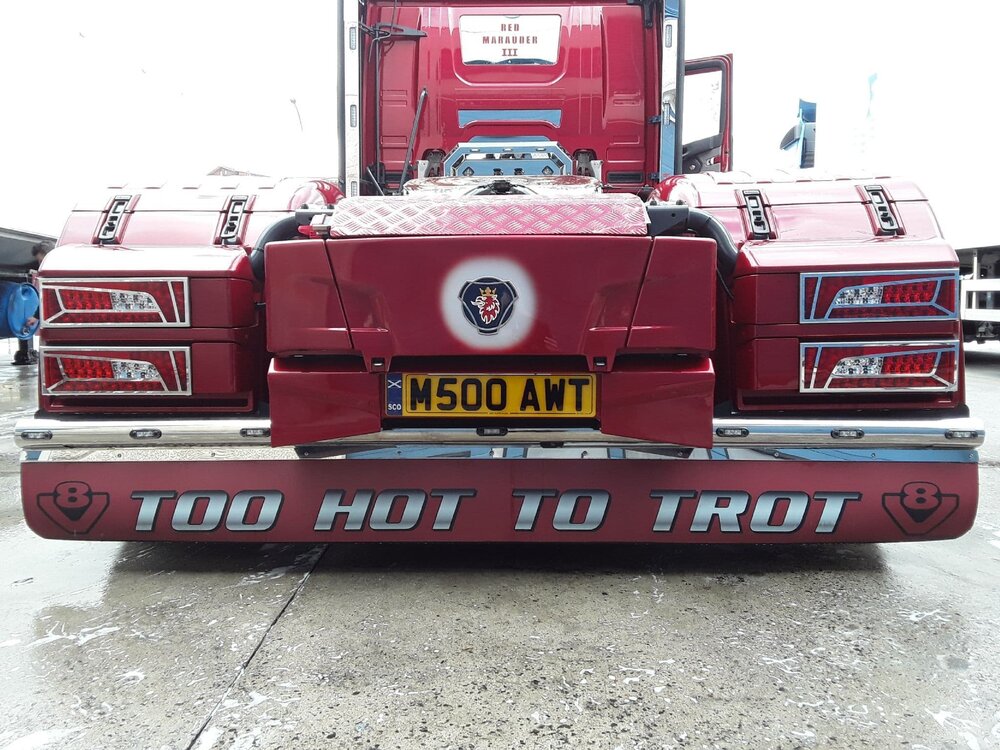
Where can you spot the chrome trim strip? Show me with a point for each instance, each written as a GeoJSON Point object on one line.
{"type": "Point", "coordinates": [87, 284]}
{"type": "Point", "coordinates": [485, 451]}
{"type": "Point", "coordinates": [906, 347]}
{"type": "Point", "coordinates": [760, 433]}
{"type": "Point", "coordinates": [938, 275]}
{"type": "Point", "coordinates": [351, 68]}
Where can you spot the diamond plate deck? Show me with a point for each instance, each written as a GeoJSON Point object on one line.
{"type": "Point", "coordinates": [495, 215]}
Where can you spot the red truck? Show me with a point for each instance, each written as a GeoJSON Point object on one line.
{"type": "Point", "coordinates": [535, 305]}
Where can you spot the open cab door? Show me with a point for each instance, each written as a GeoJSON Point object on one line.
{"type": "Point", "coordinates": [801, 139]}
{"type": "Point", "coordinates": [707, 115]}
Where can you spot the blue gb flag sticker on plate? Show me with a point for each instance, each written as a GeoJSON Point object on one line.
{"type": "Point", "coordinates": [488, 303]}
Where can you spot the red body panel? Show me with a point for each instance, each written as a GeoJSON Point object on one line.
{"type": "Point", "coordinates": [584, 294]}
{"type": "Point", "coordinates": [316, 400]}
{"type": "Point", "coordinates": [869, 253]}
{"type": "Point", "coordinates": [669, 405]}
{"type": "Point", "coordinates": [676, 305]}
{"type": "Point", "coordinates": [194, 214]}
{"type": "Point", "coordinates": [228, 303]}
{"type": "Point", "coordinates": [305, 311]}
{"type": "Point", "coordinates": [576, 295]}
{"type": "Point", "coordinates": [121, 260]}
{"type": "Point", "coordinates": [496, 501]}
{"type": "Point", "coordinates": [720, 189]}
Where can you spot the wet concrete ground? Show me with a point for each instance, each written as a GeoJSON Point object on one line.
{"type": "Point", "coordinates": [184, 646]}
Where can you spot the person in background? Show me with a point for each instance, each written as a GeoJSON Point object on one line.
{"type": "Point", "coordinates": [25, 354]}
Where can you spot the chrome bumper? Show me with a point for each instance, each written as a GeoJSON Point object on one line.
{"type": "Point", "coordinates": [950, 432]}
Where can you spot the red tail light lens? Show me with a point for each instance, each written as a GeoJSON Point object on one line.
{"type": "Point", "coordinates": [148, 303]}
{"type": "Point", "coordinates": [907, 366]}
{"type": "Point", "coordinates": [109, 371]}
{"type": "Point", "coordinates": [878, 296]}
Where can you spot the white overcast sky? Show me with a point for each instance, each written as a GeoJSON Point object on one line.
{"type": "Point", "coordinates": [95, 92]}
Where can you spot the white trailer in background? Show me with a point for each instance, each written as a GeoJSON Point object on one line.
{"type": "Point", "coordinates": [980, 267]}
{"type": "Point", "coordinates": [873, 125]}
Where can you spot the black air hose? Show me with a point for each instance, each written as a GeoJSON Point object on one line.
{"type": "Point", "coordinates": [704, 224]}
{"type": "Point", "coordinates": [675, 219]}
{"type": "Point", "coordinates": [667, 219]}
{"type": "Point", "coordinates": [283, 229]}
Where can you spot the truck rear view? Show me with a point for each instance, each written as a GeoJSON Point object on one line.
{"type": "Point", "coordinates": [517, 315]}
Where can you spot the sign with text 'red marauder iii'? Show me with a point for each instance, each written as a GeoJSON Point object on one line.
{"type": "Point", "coordinates": [509, 40]}
{"type": "Point", "coordinates": [500, 500]}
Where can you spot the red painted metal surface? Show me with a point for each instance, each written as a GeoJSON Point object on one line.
{"type": "Point", "coordinates": [576, 295]}
{"type": "Point", "coordinates": [240, 336]}
{"type": "Point", "coordinates": [582, 295]}
{"type": "Point", "coordinates": [222, 369]}
{"type": "Point", "coordinates": [888, 254]}
{"type": "Point", "coordinates": [605, 84]}
{"type": "Point", "coordinates": [804, 210]}
{"type": "Point", "coordinates": [671, 404]}
{"type": "Point", "coordinates": [322, 400]}
{"type": "Point", "coordinates": [500, 500]}
{"type": "Point", "coordinates": [767, 283]}
{"type": "Point", "coordinates": [592, 296]}
{"type": "Point", "coordinates": [721, 189]}
{"type": "Point", "coordinates": [113, 260]}
{"type": "Point", "coordinates": [223, 303]}
{"type": "Point", "coordinates": [668, 402]}
{"type": "Point", "coordinates": [676, 306]}
{"type": "Point", "coordinates": [211, 193]}
{"type": "Point", "coordinates": [305, 313]}
{"type": "Point", "coordinates": [194, 214]}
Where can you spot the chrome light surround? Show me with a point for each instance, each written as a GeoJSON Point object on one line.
{"type": "Point", "coordinates": [182, 374]}
{"type": "Point", "coordinates": [50, 318]}
{"type": "Point", "coordinates": [808, 312]}
{"type": "Point", "coordinates": [808, 377]}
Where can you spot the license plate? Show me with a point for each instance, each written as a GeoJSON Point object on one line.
{"type": "Point", "coordinates": [463, 395]}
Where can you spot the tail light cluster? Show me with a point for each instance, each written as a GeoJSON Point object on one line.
{"type": "Point", "coordinates": [151, 303]}
{"type": "Point", "coordinates": [883, 366]}
{"type": "Point", "coordinates": [878, 296]}
{"type": "Point", "coordinates": [149, 331]}
{"type": "Point", "coordinates": [105, 371]}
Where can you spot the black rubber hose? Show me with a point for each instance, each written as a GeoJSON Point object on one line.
{"type": "Point", "coordinates": [704, 224]}
{"type": "Point", "coordinates": [283, 229]}
{"type": "Point", "coordinates": [675, 219]}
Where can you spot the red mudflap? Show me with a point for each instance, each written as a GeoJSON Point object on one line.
{"type": "Point", "coordinates": [488, 500]}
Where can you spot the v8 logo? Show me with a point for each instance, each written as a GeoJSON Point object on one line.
{"type": "Point", "coordinates": [920, 507]}
{"type": "Point", "coordinates": [73, 506]}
